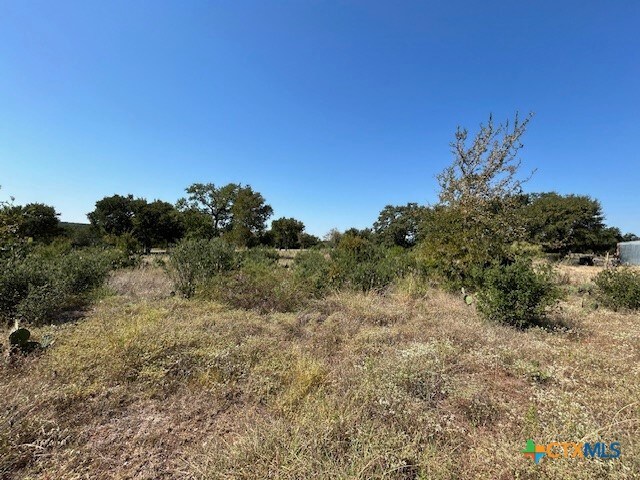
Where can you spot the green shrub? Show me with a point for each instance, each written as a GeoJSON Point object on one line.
{"type": "Point", "coordinates": [40, 302]}
{"type": "Point", "coordinates": [313, 268]}
{"type": "Point", "coordinates": [128, 244]}
{"type": "Point", "coordinates": [359, 264]}
{"type": "Point", "coordinates": [117, 258]}
{"type": "Point", "coordinates": [259, 256]}
{"type": "Point", "coordinates": [518, 294]}
{"type": "Point", "coordinates": [525, 249]}
{"type": "Point", "coordinates": [195, 261]}
{"type": "Point", "coordinates": [619, 288]}
{"type": "Point", "coordinates": [59, 246]}
{"type": "Point", "coordinates": [460, 244]}
{"type": "Point", "coordinates": [81, 271]}
{"type": "Point", "coordinates": [48, 280]}
{"type": "Point", "coordinates": [265, 288]}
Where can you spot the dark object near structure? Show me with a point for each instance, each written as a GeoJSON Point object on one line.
{"type": "Point", "coordinates": [579, 259]}
{"type": "Point", "coordinates": [629, 253]}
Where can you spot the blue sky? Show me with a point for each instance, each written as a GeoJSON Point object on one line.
{"type": "Point", "coordinates": [330, 109]}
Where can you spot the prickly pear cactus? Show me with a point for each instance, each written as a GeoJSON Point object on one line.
{"type": "Point", "coordinates": [19, 338]}
{"type": "Point", "coordinates": [19, 341]}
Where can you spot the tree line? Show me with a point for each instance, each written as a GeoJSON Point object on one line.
{"type": "Point", "coordinates": [556, 223]}
{"type": "Point", "coordinates": [234, 212]}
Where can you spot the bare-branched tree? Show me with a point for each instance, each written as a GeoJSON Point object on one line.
{"type": "Point", "coordinates": [487, 169]}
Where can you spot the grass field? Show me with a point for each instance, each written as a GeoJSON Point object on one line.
{"type": "Point", "coordinates": [399, 386]}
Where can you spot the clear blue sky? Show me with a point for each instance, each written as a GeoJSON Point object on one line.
{"type": "Point", "coordinates": [331, 109]}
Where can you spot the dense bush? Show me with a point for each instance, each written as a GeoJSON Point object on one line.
{"type": "Point", "coordinates": [194, 262]}
{"type": "Point", "coordinates": [619, 288]}
{"type": "Point", "coordinates": [359, 264]}
{"type": "Point", "coordinates": [313, 268]}
{"type": "Point", "coordinates": [81, 271]}
{"type": "Point", "coordinates": [518, 294]}
{"type": "Point", "coordinates": [460, 244]}
{"type": "Point", "coordinates": [49, 279]}
{"type": "Point", "coordinates": [266, 288]}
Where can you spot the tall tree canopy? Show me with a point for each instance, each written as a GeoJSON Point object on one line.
{"type": "Point", "coordinates": [40, 222]}
{"type": "Point", "coordinates": [36, 221]}
{"type": "Point", "coordinates": [156, 224]}
{"type": "Point", "coordinates": [567, 223]}
{"type": "Point", "coordinates": [235, 211]}
{"type": "Point", "coordinates": [216, 202]}
{"type": "Point", "coordinates": [286, 232]}
{"type": "Point", "coordinates": [249, 214]}
{"type": "Point", "coordinates": [400, 225]}
{"type": "Point", "coordinates": [114, 215]}
{"type": "Point", "coordinates": [152, 224]}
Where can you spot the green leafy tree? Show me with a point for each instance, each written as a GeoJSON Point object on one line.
{"type": "Point", "coordinates": [196, 224]}
{"type": "Point", "coordinates": [216, 202]}
{"type": "Point", "coordinates": [307, 240]}
{"type": "Point", "coordinates": [156, 223]}
{"type": "Point", "coordinates": [249, 213]}
{"type": "Point", "coordinates": [114, 215]}
{"type": "Point", "coordinates": [235, 211]}
{"type": "Point", "coordinates": [567, 223]}
{"type": "Point", "coordinates": [286, 232]}
{"type": "Point", "coordinates": [39, 222]}
{"type": "Point", "coordinates": [365, 233]}
{"type": "Point", "coordinates": [81, 234]}
{"type": "Point", "coordinates": [400, 225]}
{"type": "Point", "coordinates": [151, 224]}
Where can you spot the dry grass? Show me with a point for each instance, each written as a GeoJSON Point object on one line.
{"type": "Point", "coordinates": [147, 282]}
{"type": "Point", "coordinates": [579, 275]}
{"type": "Point", "coordinates": [287, 256]}
{"type": "Point", "coordinates": [355, 386]}
{"type": "Point", "coordinates": [574, 275]}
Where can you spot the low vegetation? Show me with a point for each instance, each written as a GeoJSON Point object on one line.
{"type": "Point", "coordinates": [619, 288]}
{"type": "Point", "coordinates": [194, 262]}
{"type": "Point", "coordinates": [353, 385]}
{"type": "Point", "coordinates": [518, 294]}
{"type": "Point", "coordinates": [36, 285]}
